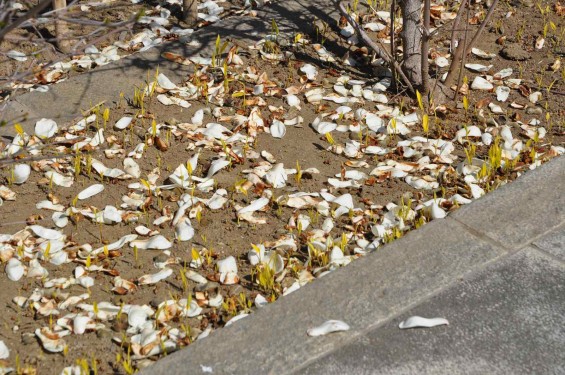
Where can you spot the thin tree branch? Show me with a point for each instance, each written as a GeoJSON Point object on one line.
{"type": "Point", "coordinates": [32, 13]}
{"type": "Point", "coordinates": [425, 49]}
{"type": "Point", "coordinates": [462, 6]}
{"type": "Point", "coordinates": [379, 49]}
{"type": "Point", "coordinates": [482, 27]}
{"type": "Point", "coordinates": [392, 39]}
{"type": "Point", "coordinates": [463, 58]}
{"type": "Point", "coordinates": [460, 51]}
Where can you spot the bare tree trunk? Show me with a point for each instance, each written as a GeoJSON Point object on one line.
{"type": "Point", "coordinates": [190, 11]}
{"type": "Point", "coordinates": [412, 40]}
{"type": "Point", "coordinates": [61, 28]}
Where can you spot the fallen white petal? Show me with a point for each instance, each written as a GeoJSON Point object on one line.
{"type": "Point", "coordinates": [328, 327]}
{"type": "Point", "coordinates": [45, 128]}
{"type": "Point", "coordinates": [419, 322]}
{"type": "Point", "coordinates": [21, 173]}
{"type": "Point", "coordinates": [278, 129]}
{"type": "Point", "coordinates": [165, 82]}
{"type": "Point", "coordinates": [91, 191]}
{"type": "Point", "coordinates": [310, 71]}
{"type": "Point", "coordinates": [255, 205]}
{"type": "Point", "coordinates": [17, 55]}
{"type": "Point", "coordinates": [277, 176]}
{"type": "Point", "coordinates": [4, 351]}
{"type": "Point", "coordinates": [123, 123]}
{"type": "Point", "coordinates": [14, 269]}
{"type": "Point", "coordinates": [158, 242]}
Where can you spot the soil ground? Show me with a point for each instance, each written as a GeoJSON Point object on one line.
{"type": "Point", "coordinates": [219, 233]}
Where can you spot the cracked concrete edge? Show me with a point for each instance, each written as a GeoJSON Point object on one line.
{"type": "Point", "coordinates": [519, 212]}
{"type": "Point", "coordinates": [365, 294]}
{"type": "Point", "coordinates": [105, 83]}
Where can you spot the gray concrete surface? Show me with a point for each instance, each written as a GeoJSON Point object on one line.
{"type": "Point", "coordinates": [501, 288]}
{"type": "Point", "coordinates": [506, 319]}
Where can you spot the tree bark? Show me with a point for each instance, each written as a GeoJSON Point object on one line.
{"type": "Point", "coordinates": [190, 12]}
{"type": "Point", "coordinates": [412, 40]}
{"type": "Point", "coordinates": [61, 28]}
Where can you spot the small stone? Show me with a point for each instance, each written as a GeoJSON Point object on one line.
{"type": "Point", "coordinates": [514, 52]}
{"type": "Point", "coordinates": [534, 111]}
{"type": "Point", "coordinates": [120, 324]}
{"type": "Point", "coordinates": [28, 338]}
{"type": "Point", "coordinates": [235, 290]}
{"type": "Point", "coordinates": [155, 302]}
{"type": "Point", "coordinates": [210, 285]}
{"type": "Point", "coordinates": [103, 333]}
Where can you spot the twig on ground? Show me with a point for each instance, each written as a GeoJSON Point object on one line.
{"type": "Point", "coordinates": [377, 48]}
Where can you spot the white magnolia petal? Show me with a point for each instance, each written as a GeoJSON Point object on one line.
{"type": "Point", "coordinates": [482, 54]}
{"type": "Point", "coordinates": [228, 270]}
{"type": "Point", "coordinates": [374, 122]}
{"type": "Point", "coordinates": [476, 191]}
{"type": "Point", "coordinates": [61, 219]}
{"type": "Point", "coordinates": [51, 341]}
{"type": "Point", "coordinates": [479, 83]}
{"type": "Point", "coordinates": [90, 191]}
{"type": "Point", "coordinates": [256, 254]}
{"type": "Point", "coordinates": [255, 205]}
{"type": "Point", "coordinates": [470, 131]}
{"type": "Point", "coordinates": [478, 67]}
{"type": "Point", "coordinates": [15, 269]}
{"type": "Point", "coordinates": [48, 205]}
{"type": "Point", "coordinates": [324, 127]}
{"type": "Point", "coordinates": [198, 117]}
{"type": "Point", "coordinates": [278, 129]}
{"type": "Point", "coordinates": [502, 93]}
{"type": "Point", "coordinates": [277, 176]}
{"type": "Point", "coordinates": [45, 128]}
{"type": "Point", "coordinates": [132, 168]}
{"type": "Point", "coordinates": [419, 322]}
{"type": "Point", "coordinates": [193, 309]}
{"type": "Point", "coordinates": [165, 82]}
{"type": "Point", "coordinates": [218, 200]}
{"type": "Point", "coordinates": [79, 324]}
{"type": "Point", "coordinates": [158, 242]}
{"type": "Point", "coordinates": [196, 277]}
{"type": "Point", "coordinates": [16, 55]}
{"type": "Point", "coordinates": [441, 61]}
{"type": "Point", "coordinates": [293, 101]}
{"type": "Point", "coordinates": [504, 73]}
{"type": "Point", "coordinates": [21, 173]}
{"type": "Point", "coordinates": [123, 123]}
{"type": "Point", "coordinates": [137, 315]}
{"type": "Point", "coordinates": [345, 200]}
{"type": "Point", "coordinates": [58, 179]}
{"type": "Point", "coordinates": [116, 245]}
{"type": "Point", "coordinates": [216, 166]}
{"type": "Point", "coordinates": [4, 351]}
{"type": "Point", "coordinates": [48, 234]}
{"type": "Point", "coordinates": [156, 277]}
{"type": "Point", "coordinates": [184, 230]}
{"type": "Point", "coordinates": [310, 71]}
{"type": "Point", "coordinates": [328, 327]}
{"type": "Point", "coordinates": [260, 301]}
